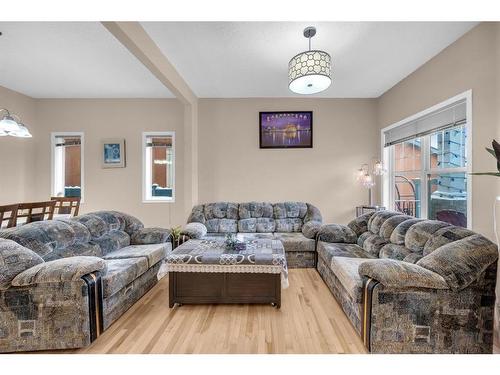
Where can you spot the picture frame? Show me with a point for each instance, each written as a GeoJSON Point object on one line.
{"type": "Point", "coordinates": [113, 153]}
{"type": "Point", "coordinates": [285, 129]}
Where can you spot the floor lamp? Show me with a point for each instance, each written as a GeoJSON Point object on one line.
{"type": "Point", "coordinates": [366, 177]}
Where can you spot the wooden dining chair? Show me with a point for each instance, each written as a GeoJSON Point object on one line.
{"type": "Point", "coordinates": [36, 211]}
{"type": "Point", "coordinates": [8, 216]}
{"type": "Point", "coordinates": [66, 205]}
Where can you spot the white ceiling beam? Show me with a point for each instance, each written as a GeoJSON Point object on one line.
{"type": "Point", "coordinates": [133, 36]}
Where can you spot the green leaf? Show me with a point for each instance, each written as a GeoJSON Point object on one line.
{"type": "Point", "coordinates": [491, 151]}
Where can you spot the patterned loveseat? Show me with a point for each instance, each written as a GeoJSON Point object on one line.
{"type": "Point", "coordinates": [410, 285]}
{"type": "Point", "coordinates": [63, 282]}
{"type": "Point", "coordinates": [295, 224]}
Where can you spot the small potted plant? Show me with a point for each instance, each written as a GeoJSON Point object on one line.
{"type": "Point", "coordinates": [175, 232]}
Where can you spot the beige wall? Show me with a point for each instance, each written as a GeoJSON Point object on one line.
{"type": "Point", "coordinates": [469, 63]}
{"type": "Point", "coordinates": [231, 165]}
{"type": "Point", "coordinates": [119, 188]}
{"type": "Point", "coordinates": [17, 154]}
{"type": "Point", "coordinates": [233, 168]}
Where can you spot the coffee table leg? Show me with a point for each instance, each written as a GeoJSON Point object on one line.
{"type": "Point", "coordinates": [171, 289]}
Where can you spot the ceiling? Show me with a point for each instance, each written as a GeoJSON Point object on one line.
{"type": "Point", "coordinates": [71, 60]}
{"type": "Point", "coordinates": [217, 59]}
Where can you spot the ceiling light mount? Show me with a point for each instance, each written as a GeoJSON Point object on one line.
{"type": "Point", "coordinates": [309, 32]}
{"type": "Point", "coordinates": [309, 72]}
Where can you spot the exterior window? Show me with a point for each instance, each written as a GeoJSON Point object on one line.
{"type": "Point", "coordinates": [407, 171]}
{"type": "Point", "coordinates": [67, 164]}
{"type": "Point", "coordinates": [159, 166]}
{"type": "Point", "coordinates": [447, 176]}
{"type": "Point", "coordinates": [428, 171]}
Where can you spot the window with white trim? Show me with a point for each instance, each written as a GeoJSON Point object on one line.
{"type": "Point", "coordinates": [67, 164]}
{"type": "Point", "coordinates": [158, 166]}
{"type": "Point", "coordinates": [427, 160]}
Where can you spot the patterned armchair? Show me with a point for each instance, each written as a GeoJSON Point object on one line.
{"type": "Point", "coordinates": [410, 285]}
{"type": "Point", "coordinates": [63, 282]}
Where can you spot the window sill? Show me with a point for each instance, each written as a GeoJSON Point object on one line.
{"type": "Point", "coordinates": [158, 201]}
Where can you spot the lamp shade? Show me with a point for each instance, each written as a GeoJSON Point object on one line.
{"type": "Point", "coordinates": [309, 72]}
{"type": "Point", "coordinates": [8, 124]}
{"type": "Point", "coordinates": [22, 132]}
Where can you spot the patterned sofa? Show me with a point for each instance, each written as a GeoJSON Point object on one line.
{"type": "Point", "coordinates": [63, 282]}
{"type": "Point", "coordinates": [295, 224]}
{"type": "Point", "coordinates": [410, 285]}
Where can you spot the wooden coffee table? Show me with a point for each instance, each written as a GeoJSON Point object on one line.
{"type": "Point", "coordinates": [204, 271]}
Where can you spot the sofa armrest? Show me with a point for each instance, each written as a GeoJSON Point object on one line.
{"type": "Point", "coordinates": [337, 233]}
{"type": "Point", "coordinates": [149, 236]}
{"type": "Point", "coordinates": [397, 274]}
{"type": "Point", "coordinates": [60, 270]}
{"type": "Point", "coordinates": [194, 230]}
{"type": "Point", "coordinates": [311, 229]}
{"type": "Point", "coordinates": [15, 259]}
{"type": "Point", "coordinates": [313, 214]}
{"type": "Point", "coordinates": [461, 262]}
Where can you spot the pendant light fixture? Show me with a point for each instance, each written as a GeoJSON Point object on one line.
{"type": "Point", "coordinates": [11, 124]}
{"type": "Point", "coordinates": [309, 72]}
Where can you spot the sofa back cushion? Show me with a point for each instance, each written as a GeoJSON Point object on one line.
{"type": "Point", "coordinates": [360, 224]}
{"type": "Point", "coordinates": [251, 217]}
{"type": "Point", "coordinates": [112, 241]}
{"type": "Point", "coordinates": [389, 225]}
{"type": "Point", "coordinates": [114, 220]}
{"type": "Point", "coordinates": [93, 234]}
{"type": "Point", "coordinates": [96, 225]}
{"type": "Point", "coordinates": [42, 237]}
{"type": "Point", "coordinates": [399, 233]}
{"type": "Point", "coordinates": [444, 236]}
{"type": "Point", "coordinates": [418, 234]}
{"type": "Point", "coordinates": [378, 219]}
{"type": "Point", "coordinates": [221, 210]}
{"type": "Point", "coordinates": [290, 210]}
{"type": "Point", "coordinates": [255, 210]}
{"type": "Point", "coordinates": [222, 225]}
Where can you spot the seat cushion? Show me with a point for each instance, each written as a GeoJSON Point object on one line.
{"type": "Point", "coordinates": [153, 253]}
{"type": "Point", "coordinates": [295, 242]}
{"type": "Point", "coordinates": [121, 272]}
{"type": "Point", "coordinates": [346, 271]}
{"type": "Point", "coordinates": [254, 236]}
{"type": "Point", "coordinates": [327, 251]}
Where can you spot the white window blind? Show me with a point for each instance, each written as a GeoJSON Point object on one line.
{"type": "Point", "coordinates": [451, 116]}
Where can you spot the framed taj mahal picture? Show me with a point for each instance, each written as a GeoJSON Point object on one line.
{"type": "Point", "coordinates": [288, 129]}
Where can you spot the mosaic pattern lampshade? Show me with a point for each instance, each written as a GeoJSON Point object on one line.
{"type": "Point", "coordinates": [309, 72]}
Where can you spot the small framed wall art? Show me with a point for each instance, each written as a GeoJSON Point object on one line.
{"type": "Point", "coordinates": [113, 153]}
{"type": "Point", "coordinates": [290, 129]}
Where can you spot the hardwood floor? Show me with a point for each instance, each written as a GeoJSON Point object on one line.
{"type": "Point", "coordinates": [309, 321]}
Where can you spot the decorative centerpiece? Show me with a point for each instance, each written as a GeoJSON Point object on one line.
{"type": "Point", "coordinates": [232, 243]}
{"type": "Point", "coordinates": [177, 237]}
